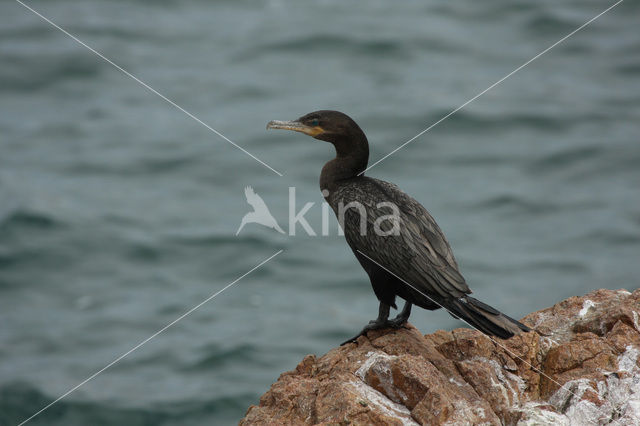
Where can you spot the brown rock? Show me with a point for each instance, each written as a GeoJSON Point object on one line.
{"type": "Point", "coordinates": [581, 365]}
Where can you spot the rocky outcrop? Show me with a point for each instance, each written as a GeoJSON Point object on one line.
{"type": "Point", "coordinates": [580, 366]}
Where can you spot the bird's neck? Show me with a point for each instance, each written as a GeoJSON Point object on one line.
{"type": "Point", "coordinates": [351, 160]}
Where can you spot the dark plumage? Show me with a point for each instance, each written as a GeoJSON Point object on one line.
{"type": "Point", "coordinates": [416, 262]}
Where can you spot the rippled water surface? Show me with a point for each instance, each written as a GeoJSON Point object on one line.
{"type": "Point", "coordinates": [118, 213]}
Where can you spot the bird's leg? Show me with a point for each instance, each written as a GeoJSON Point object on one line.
{"type": "Point", "coordinates": [381, 322]}
{"type": "Point", "coordinates": [383, 315]}
{"type": "Point", "coordinates": [402, 317]}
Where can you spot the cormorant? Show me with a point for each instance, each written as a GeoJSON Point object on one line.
{"type": "Point", "coordinates": [402, 249]}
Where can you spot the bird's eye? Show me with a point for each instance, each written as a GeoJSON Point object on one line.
{"type": "Point", "coordinates": [315, 122]}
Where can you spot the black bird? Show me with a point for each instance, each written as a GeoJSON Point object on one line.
{"type": "Point", "coordinates": [398, 243]}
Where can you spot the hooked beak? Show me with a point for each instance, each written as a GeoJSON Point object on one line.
{"type": "Point", "coordinates": [296, 126]}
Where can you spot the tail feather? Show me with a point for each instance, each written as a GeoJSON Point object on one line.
{"type": "Point", "coordinates": [484, 317]}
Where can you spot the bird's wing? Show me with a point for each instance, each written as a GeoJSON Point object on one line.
{"type": "Point", "coordinates": [419, 253]}
{"type": "Point", "coordinates": [248, 192]}
{"type": "Point", "coordinates": [254, 200]}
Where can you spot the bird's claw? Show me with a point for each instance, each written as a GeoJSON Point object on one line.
{"type": "Point", "coordinates": [395, 323]}
{"type": "Point", "coordinates": [352, 340]}
{"type": "Point", "coordinates": [398, 322]}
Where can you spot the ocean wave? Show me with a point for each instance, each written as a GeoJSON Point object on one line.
{"type": "Point", "coordinates": [212, 240]}
{"type": "Point", "coordinates": [565, 158]}
{"type": "Point", "coordinates": [482, 160]}
{"type": "Point", "coordinates": [516, 268]}
{"type": "Point", "coordinates": [607, 237]}
{"type": "Point", "coordinates": [28, 219]}
{"type": "Point", "coordinates": [332, 44]}
{"type": "Point", "coordinates": [622, 161]}
{"type": "Point", "coordinates": [549, 23]}
{"type": "Point", "coordinates": [24, 73]}
{"type": "Point", "coordinates": [143, 252]}
{"type": "Point", "coordinates": [518, 204]}
{"type": "Point", "coordinates": [631, 69]}
{"type": "Point", "coordinates": [216, 357]}
{"type": "Point", "coordinates": [19, 401]}
{"type": "Point", "coordinates": [465, 120]}
{"type": "Point", "coordinates": [515, 203]}
{"type": "Point", "coordinates": [139, 167]}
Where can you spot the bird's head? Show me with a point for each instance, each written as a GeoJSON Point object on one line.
{"type": "Point", "coordinates": [331, 126]}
